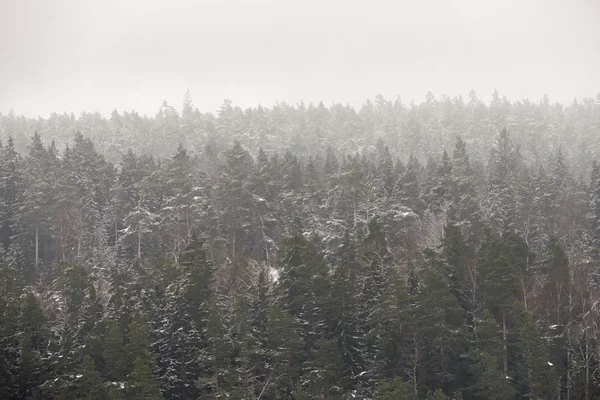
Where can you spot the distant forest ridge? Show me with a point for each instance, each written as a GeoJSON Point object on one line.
{"type": "Point", "coordinates": [422, 130]}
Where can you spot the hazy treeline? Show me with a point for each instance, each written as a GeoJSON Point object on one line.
{"type": "Point", "coordinates": [421, 129]}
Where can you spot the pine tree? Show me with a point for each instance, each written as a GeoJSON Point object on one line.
{"type": "Point", "coordinates": [394, 389]}
{"type": "Point", "coordinates": [391, 334]}
{"type": "Point", "coordinates": [555, 296]}
{"type": "Point", "coordinates": [324, 371]}
{"type": "Point", "coordinates": [490, 379]}
{"type": "Point", "coordinates": [88, 180]}
{"type": "Point", "coordinates": [501, 199]}
{"type": "Point", "coordinates": [288, 352]}
{"type": "Point", "coordinates": [218, 376]}
{"type": "Point", "coordinates": [304, 287]}
{"type": "Point", "coordinates": [258, 357]}
{"type": "Point", "coordinates": [386, 172]}
{"type": "Point", "coordinates": [178, 215]}
{"type": "Point", "coordinates": [440, 323]}
{"type": "Point", "coordinates": [143, 385]}
{"type": "Point", "coordinates": [197, 281]}
{"type": "Point", "coordinates": [499, 285]}
{"type": "Point", "coordinates": [455, 255]}
{"type": "Point", "coordinates": [437, 395]}
{"type": "Point", "coordinates": [115, 358]}
{"type": "Point", "coordinates": [91, 383]}
{"type": "Point", "coordinates": [408, 186]}
{"type": "Point", "coordinates": [12, 193]}
{"type": "Point", "coordinates": [183, 323]}
{"type": "Point", "coordinates": [33, 345]}
{"type": "Point", "coordinates": [37, 198]}
{"type": "Point", "coordinates": [376, 265]}
{"type": "Point", "coordinates": [345, 326]}
{"type": "Point", "coordinates": [440, 196]}
{"type": "Point", "coordinates": [538, 378]}
{"type": "Point", "coordinates": [235, 197]}
{"type": "Point", "coordinates": [9, 324]}
{"type": "Point", "coordinates": [465, 207]}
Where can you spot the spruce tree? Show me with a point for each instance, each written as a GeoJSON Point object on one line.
{"type": "Point", "coordinates": [32, 346]}
{"type": "Point", "coordinates": [142, 384]}
{"type": "Point", "coordinates": [115, 358]}
{"type": "Point", "coordinates": [440, 325]}
{"type": "Point", "coordinates": [91, 386]}
{"type": "Point", "coordinates": [394, 389]}
{"type": "Point", "coordinates": [501, 200]}
{"type": "Point", "coordinates": [9, 324]}
{"type": "Point", "coordinates": [538, 378]}
{"type": "Point", "coordinates": [303, 286]}
{"type": "Point", "coordinates": [465, 211]}
{"type": "Point", "coordinates": [490, 380]}
{"type": "Point", "coordinates": [500, 287]}
{"type": "Point", "coordinates": [345, 325]}
{"type": "Point", "coordinates": [288, 352]}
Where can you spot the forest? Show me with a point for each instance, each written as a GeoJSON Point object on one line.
{"type": "Point", "coordinates": [440, 250]}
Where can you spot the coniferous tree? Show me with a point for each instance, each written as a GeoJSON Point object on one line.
{"type": "Point", "coordinates": [501, 199]}
{"type": "Point", "coordinates": [115, 359]}
{"type": "Point", "coordinates": [12, 194]}
{"type": "Point", "coordinates": [9, 324]}
{"type": "Point", "coordinates": [142, 383]}
{"type": "Point", "coordinates": [440, 324]}
{"type": "Point", "coordinates": [391, 389]}
{"type": "Point", "coordinates": [303, 287]}
{"type": "Point", "coordinates": [345, 326]}
{"type": "Point", "coordinates": [91, 387]}
{"type": "Point", "coordinates": [500, 287]}
{"type": "Point", "coordinates": [32, 347]}
{"type": "Point", "coordinates": [465, 208]}
{"type": "Point", "coordinates": [288, 352]}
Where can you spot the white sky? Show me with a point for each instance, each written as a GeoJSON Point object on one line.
{"type": "Point", "coordinates": [74, 55]}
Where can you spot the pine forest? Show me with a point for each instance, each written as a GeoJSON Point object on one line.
{"type": "Point", "coordinates": [448, 249]}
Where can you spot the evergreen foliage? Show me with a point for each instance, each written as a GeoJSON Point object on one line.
{"type": "Point", "coordinates": [244, 268]}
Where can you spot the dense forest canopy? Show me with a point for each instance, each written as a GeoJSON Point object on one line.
{"type": "Point", "coordinates": [445, 250]}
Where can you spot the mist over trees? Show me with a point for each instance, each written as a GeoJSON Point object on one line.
{"type": "Point", "coordinates": [442, 250]}
{"type": "Point", "coordinates": [422, 129]}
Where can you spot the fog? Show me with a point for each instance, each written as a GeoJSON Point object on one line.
{"type": "Point", "coordinates": [97, 56]}
{"type": "Point", "coordinates": [353, 246]}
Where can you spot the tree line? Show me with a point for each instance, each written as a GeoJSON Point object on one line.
{"type": "Point", "coordinates": [418, 128]}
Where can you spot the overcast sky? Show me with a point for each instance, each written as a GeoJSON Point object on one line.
{"type": "Point", "coordinates": [74, 55]}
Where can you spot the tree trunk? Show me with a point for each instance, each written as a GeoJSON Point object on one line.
{"type": "Point", "coordinates": [37, 246]}
{"type": "Point", "coordinates": [587, 367]}
{"type": "Point", "coordinates": [262, 224]}
{"type": "Point", "coordinates": [62, 240]}
{"type": "Point", "coordinates": [415, 364]}
{"type": "Point", "coordinates": [504, 343]}
{"type": "Point", "coordinates": [524, 294]}
{"type": "Point", "coordinates": [80, 227]}
{"type": "Point", "coordinates": [233, 245]}
{"type": "Point", "coordinates": [139, 246]}
{"type": "Point", "coordinates": [531, 383]}
{"type": "Point", "coordinates": [354, 212]}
